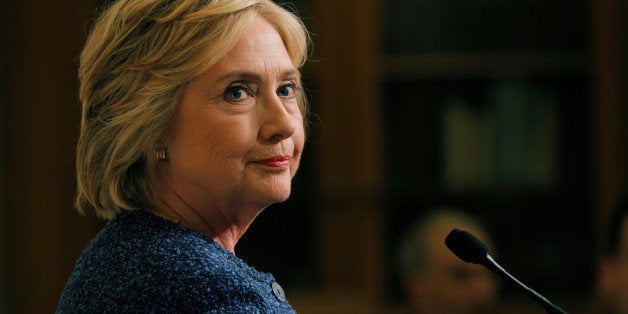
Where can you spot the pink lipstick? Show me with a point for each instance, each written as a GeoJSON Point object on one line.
{"type": "Point", "coordinates": [277, 161]}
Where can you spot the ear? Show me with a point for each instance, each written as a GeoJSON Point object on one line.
{"type": "Point", "coordinates": [605, 280]}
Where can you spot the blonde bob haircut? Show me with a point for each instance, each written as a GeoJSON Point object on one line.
{"type": "Point", "coordinates": [133, 69]}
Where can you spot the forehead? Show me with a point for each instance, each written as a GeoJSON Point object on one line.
{"type": "Point", "coordinates": [260, 47]}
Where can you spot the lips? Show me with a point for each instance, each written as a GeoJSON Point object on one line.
{"type": "Point", "coordinates": [277, 161]}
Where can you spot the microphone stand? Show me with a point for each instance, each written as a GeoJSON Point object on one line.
{"type": "Point", "coordinates": [538, 298]}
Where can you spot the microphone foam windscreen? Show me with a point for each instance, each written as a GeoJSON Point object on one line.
{"type": "Point", "coordinates": [467, 247]}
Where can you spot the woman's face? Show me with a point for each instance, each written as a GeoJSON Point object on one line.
{"type": "Point", "coordinates": [238, 133]}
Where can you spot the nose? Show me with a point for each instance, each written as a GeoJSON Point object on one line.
{"type": "Point", "coordinates": [278, 122]}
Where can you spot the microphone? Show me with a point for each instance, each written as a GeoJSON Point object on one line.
{"type": "Point", "coordinates": [471, 250]}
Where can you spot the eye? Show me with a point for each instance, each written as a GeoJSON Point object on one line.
{"type": "Point", "coordinates": [237, 92]}
{"type": "Point", "coordinates": [287, 90]}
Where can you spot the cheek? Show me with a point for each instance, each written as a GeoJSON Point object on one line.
{"type": "Point", "coordinates": [206, 146]}
{"type": "Point", "coordinates": [298, 139]}
{"type": "Point", "coordinates": [228, 142]}
{"type": "Point", "coordinates": [299, 132]}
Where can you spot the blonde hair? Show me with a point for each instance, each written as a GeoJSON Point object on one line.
{"type": "Point", "coordinates": [133, 68]}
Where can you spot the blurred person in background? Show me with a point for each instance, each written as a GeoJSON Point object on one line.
{"type": "Point", "coordinates": [192, 124]}
{"type": "Point", "coordinates": [433, 279]}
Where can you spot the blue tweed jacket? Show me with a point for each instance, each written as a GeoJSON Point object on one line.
{"type": "Point", "coordinates": [140, 262]}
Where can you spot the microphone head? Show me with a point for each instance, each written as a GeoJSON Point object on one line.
{"type": "Point", "coordinates": [467, 247]}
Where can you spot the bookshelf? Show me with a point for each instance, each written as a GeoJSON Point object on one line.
{"type": "Point", "coordinates": [487, 107]}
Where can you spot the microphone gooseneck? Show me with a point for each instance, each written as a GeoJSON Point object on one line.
{"type": "Point", "coordinates": [470, 249]}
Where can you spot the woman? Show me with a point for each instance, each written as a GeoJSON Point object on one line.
{"type": "Point", "coordinates": [192, 124]}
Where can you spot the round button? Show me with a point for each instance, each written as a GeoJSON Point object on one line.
{"type": "Point", "coordinates": [278, 291]}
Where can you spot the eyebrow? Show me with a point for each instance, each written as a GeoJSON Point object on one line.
{"type": "Point", "coordinates": [254, 77]}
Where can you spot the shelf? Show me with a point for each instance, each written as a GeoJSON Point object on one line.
{"type": "Point", "coordinates": [486, 64]}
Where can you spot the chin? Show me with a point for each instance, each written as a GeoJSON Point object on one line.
{"type": "Point", "coordinates": [268, 190]}
{"type": "Point", "coordinates": [271, 196]}
{"type": "Point", "coordinates": [281, 197]}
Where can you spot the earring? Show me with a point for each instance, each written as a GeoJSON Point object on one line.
{"type": "Point", "coordinates": [161, 153]}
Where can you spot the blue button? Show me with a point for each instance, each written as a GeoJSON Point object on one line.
{"type": "Point", "coordinates": [278, 291]}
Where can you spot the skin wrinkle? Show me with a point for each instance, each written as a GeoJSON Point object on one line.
{"type": "Point", "coordinates": [212, 178]}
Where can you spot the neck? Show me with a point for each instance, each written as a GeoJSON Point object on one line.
{"type": "Point", "coordinates": [224, 224]}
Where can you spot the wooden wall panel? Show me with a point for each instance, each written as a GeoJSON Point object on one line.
{"type": "Point", "coordinates": [43, 234]}
{"type": "Point", "coordinates": [3, 105]}
{"type": "Point", "coordinates": [610, 42]}
{"type": "Point", "coordinates": [347, 65]}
